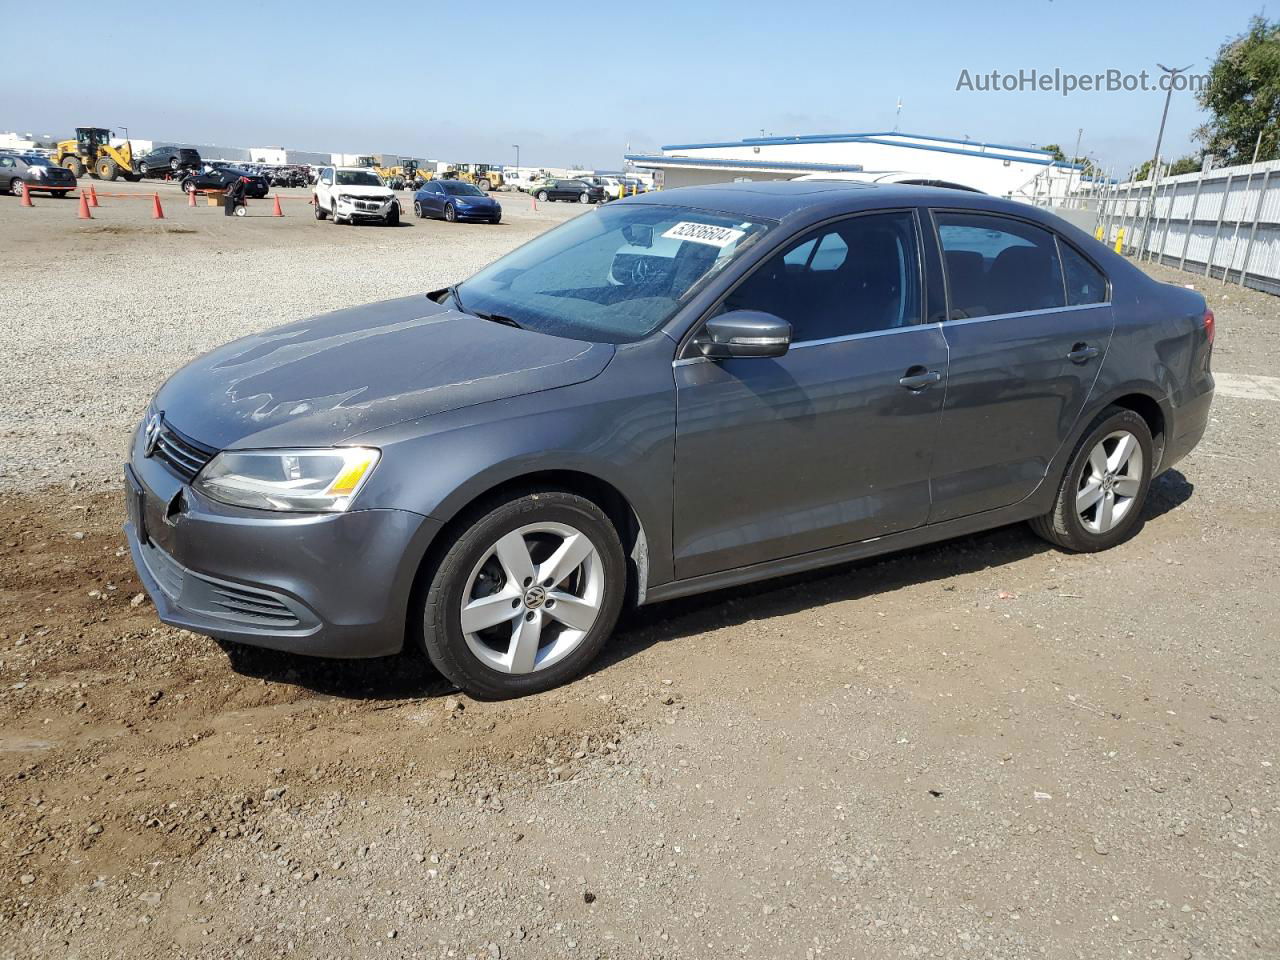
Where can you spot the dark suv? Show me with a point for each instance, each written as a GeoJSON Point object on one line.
{"type": "Point", "coordinates": [168, 161]}
{"type": "Point", "coordinates": [578, 190]}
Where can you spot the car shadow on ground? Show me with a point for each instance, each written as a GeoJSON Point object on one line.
{"type": "Point", "coordinates": [410, 676]}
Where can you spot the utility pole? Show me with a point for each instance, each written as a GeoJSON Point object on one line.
{"type": "Point", "coordinates": [517, 146]}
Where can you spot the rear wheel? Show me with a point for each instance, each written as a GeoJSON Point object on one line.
{"type": "Point", "coordinates": [106, 169]}
{"type": "Point", "coordinates": [1100, 500]}
{"type": "Point", "coordinates": [417, 209]}
{"type": "Point", "coordinates": [526, 595]}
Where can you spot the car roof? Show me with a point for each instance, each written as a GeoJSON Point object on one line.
{"type": "Point", "coordinates": [818, 199]}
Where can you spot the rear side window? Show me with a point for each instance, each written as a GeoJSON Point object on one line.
{"type": "Point", "coordinates": [1085, 282]}
{"type": "Point", "coordinates": [856, 276]}
{"type": "Point", "coordinates": [997, 265]}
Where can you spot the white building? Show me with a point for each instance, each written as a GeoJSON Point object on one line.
{"type": "Point", "coordinates": [1022, 173]}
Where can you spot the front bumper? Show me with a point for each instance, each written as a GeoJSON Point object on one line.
{"type": "Point", "coordinates": [484, 214]}
{"type": "Point", "coordinates": [50, 186]}
{"type": "Point", "coordinates": [331, 585]}
{"type": "Point", "coordinates": [361, 209]}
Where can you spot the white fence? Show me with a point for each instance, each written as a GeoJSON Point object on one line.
{"type": "Point", "coordinates": [1223, 224]}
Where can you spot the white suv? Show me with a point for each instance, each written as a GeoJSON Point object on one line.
{"type": "Point", "coordinates": [354, 193]}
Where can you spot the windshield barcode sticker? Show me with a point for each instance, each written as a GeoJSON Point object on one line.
{"type": "Point", "coordinates": [704, 233]}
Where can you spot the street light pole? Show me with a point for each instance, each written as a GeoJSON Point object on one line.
{"type": "Point", "coordinates": [1153, 172]}
{"type": "Point", "coordinates": [517, 146]}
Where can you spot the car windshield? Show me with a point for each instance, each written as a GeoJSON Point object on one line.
{"type": "Point", "coordinates": [358, 178]}
{"type": "Point", "coordinates": [611, 276]}
{"type": "Point", "coordinates": [456, 188]}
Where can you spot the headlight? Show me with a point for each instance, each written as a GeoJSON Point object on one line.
{"type": "Point", "coordinates": [301, 480]}
{"type": "Point", "coordinates": [345, 198]}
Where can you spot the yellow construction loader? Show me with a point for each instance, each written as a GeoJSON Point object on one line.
{"type": "Point", "coordinates": [91, 152]}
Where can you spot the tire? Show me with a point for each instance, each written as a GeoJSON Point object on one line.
{"type": "Point", "coordinates": [542, 521]}
{"type": "Point", "coordinates": [106, 169]}
{"type": "Point", "coordinates": [542, 196]}
{"type": "Point", "coordinates": [133, 177]}
{"type": "Point", "coordinates": [450, 213]}
{"type": "Point", "coordinates": [173, 164]}
{"type": "Point", "coordinates": [75, 166]}
{"type": "Point", "coordinates": [60, 194]}
{"type": "Point", "coordinates": [1120, 481]}
{"type": "Point", "coordinates": [496, 220]}
{"type": "Point", "coordinates": [316, 209]}
{"type": "Point", "coordinates": [15, 187]}
{"type": "Point", "coordinates": [189, 185]}
{"type": "Point", "coordinates": [484, 185]}
{"type": "Point", "coordinates": [417, 210]}
{"type": "Point", "coordinates": [584, 198]}
{"type": "Point", "coordinates": [392, 218]}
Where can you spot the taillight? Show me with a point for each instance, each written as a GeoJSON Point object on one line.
{"type": "Point", "coordinates": [1208, 324]}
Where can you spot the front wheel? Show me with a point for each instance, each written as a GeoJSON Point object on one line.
{"type": "Point", "coordinates": [60, 194]}
{"type": "Point", "coordinates": [584, 198]}
{"type": "Point", "coordinates": [393, 216]}
{"type": "Point", "coordinates": [1099, 503]}
{"type": "Point", "coordinates": [317, 209]}
{"type": "Point", "coordinates": [15, 187]}
{"type": "Point", "coordinates": [526, 595]}
{"type": "Point", "coordinates": [106, 169]}
{"type": "Point", "coordinates": [450, 213]}
{"type": "Point", "coordinates": [542, 196]}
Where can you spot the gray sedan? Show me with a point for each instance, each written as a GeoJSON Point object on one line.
{"type": "Point", "coordinates": [38, 173]}
{"type": "Point", "coordinates": [675, 393]}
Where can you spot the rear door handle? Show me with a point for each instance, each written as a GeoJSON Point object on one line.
{"type": "Point", "coordinates": [917, 378]}
{"type": "Point", "coordinates": [1081, 353]}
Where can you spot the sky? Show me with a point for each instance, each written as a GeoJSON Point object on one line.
{"type": "Point", "coordinates": [583, 84]}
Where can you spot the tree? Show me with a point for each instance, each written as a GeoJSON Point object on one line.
{"type": "Point", "coordinates": [1056, 150]}
{"type": "Point", "coordinates": [1188, 164]}
{"type": "Point", "coordinates": [1243, 96]}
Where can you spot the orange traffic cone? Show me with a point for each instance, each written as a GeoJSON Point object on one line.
{"type": "Point", "coordinates": [191, 198]}
{"type": "Point", "coordinates": [157, 211]}
{"type": "Point", "coordinates": [84, 207]}
{"type": "Point", "coordinates": [93, 196]}
{"type": "Point", "coordinates": [277, 212]}
{"type": "Point", "coordinates": [26, 196]}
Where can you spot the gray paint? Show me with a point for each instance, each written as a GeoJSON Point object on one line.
{"type": "Point", "coordinates": [734, 470]}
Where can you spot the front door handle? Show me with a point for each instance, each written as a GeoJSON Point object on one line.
{"type": "Point", "coordinates": [917, 378]}
{"type": "Point", "coordinates": [1081, 353]}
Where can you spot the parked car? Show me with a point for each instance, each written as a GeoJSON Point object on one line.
{"type": "Point", "coordinates": [455, 200]}
{"type": "Point", "coordinates": [611, 186]}
{"type": "Point", "coordinates": [217, 178]}
{"type": "Point", "coordinates": [684, 391]}
{"type": "Point", "coordinates": [169, 162]}
{"type": "Point", "coordinates": [39, 173]}
{"type": "Point", "coordinates": [578, 190]}
{"type": "Point", "coordinates": [354, 193]}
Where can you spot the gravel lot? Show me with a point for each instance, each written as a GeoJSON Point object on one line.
{"type": "Point", "coordinates": [982, 749]}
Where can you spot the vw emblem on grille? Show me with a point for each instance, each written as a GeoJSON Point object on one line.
{"type": "Point", "coordinates": [151, 435]}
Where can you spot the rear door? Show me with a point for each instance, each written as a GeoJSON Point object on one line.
{"type": "Point", "coordinates": [831, 443]}
{"type": "Point", "coordinates": [1025, 344]}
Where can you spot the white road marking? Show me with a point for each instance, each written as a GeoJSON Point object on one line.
{"type": "Point", "coordinates": [1243, 386]}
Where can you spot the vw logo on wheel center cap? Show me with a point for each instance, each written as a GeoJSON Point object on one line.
{"type": "Point", "coordinates": [535, 596]}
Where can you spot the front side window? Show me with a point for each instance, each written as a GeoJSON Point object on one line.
{"type": "Point", "coordinates": [857, 276]}
{"type": "Point", "coordinates": [614, 275]}
{"type": "Point", "coordinates": [997, 265]}
{"type": "Point", "coordinates": [1085, 282]}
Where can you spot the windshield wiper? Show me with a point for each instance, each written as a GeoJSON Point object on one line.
{"type": "Point", "coordinates": [497, 318]}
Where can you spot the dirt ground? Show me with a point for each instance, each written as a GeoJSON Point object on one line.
{"type": "Point", "coordinates": [982, 749]}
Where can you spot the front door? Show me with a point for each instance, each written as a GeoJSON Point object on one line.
{"type": "Point", "coordinates": [1025, 349]}
{"type": "Point", "coordinates": [831, 443]}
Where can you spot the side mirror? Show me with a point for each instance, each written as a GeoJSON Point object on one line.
{"type": "Point", "coordinates": [744, 333]}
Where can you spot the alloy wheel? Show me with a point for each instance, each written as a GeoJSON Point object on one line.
{"type": "Point", "coordinates": [532, 598]}
{"type": "Point", "coordinates": [1110, 481]}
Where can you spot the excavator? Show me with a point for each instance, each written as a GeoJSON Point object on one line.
{"type": "Point", "coordinates": [91, 152]}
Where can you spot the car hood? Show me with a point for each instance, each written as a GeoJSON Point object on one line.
{"type": "Point", "coordinates": [380, 193]}
{"type": "Point", "coordinates": [470, 201]}
{"type": "Point", "coordinates": [327, 379]}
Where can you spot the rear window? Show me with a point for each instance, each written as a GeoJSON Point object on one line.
{"type": "Point", "coordinates": [1085, 283]}
{"type": "Point", "coordinates": [997, 265]}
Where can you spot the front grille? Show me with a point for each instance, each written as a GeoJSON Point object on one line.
{"type": "Point", "coordinates": [219, 598]}
{"type": "Point", "coordinates": [182, 455]}
{"type": "Point", "coordinates": [253, 606]}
